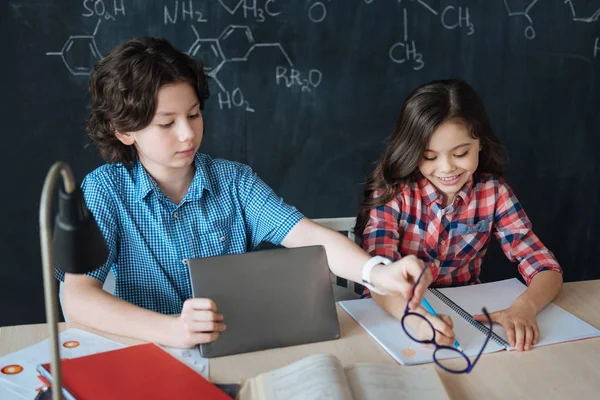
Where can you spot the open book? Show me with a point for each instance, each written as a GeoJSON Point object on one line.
{"type": "Point", "coordinates": [322, 376]}
{"type": "Point", "coordinates": [460, 303]}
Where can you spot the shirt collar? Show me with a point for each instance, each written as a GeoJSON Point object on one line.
{"type": "Point", "coordinates": [144, 183]}
{"type": "Point", "coordinates": [201, 179]}
{"type": "Point", "coordinates": [465, 192]}
{"type": "Point", "coordinates": [429, 193]}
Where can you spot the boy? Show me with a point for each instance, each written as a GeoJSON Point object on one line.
{"type": "Point", "coordinates": [159, 203]}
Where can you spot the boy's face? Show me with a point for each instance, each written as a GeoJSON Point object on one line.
{"type": "Point", "coordinates": [169, 143]}
{"type": "Point", "coordinates": [450, 159]}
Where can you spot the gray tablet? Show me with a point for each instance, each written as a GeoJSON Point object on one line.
{"type": "Point", "coordinates": [269, 298]}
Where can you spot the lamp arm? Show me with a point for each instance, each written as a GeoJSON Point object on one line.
{"type": "Point", "coordinates": [48, 267]}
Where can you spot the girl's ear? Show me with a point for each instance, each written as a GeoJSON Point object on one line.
{"type": "Point", "coordinates": [125, 137]}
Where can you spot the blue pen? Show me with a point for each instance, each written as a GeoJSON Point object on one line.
{"type": "Point", "coordinates": [431, 311]}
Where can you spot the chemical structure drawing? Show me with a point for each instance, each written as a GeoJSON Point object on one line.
{"type": "Point", "coordinates": [529, 30]}
{"type": "Point", "coordinates": [513, 10]}
{"type": "Point", "coordinates": [172, 15]}
{"type": "Point", "coordinates": [98, 8]}
{"type": "Point", "coordinates": [80, 53]}
{"type": "Point", "coordinates": [235, 44]}
{"type": "Point", "coordinates": [316, 10]}
{"type": "Point", "coordinates": [451, 17]}
{"type": "Point", "coordinates": [595, 16]}
{"type": "Point", "coordinates": [184, 11]}
{"type": "Point", "coordinates": [251, 8]}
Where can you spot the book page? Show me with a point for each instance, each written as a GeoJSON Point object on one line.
{"type": "Point", "coordinates": [316, 377]}
{"type": "Point", "coordinates": [392, 382]}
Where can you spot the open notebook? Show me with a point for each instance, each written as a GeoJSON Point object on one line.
{"type": "Point", "coordinates": [556, 325]}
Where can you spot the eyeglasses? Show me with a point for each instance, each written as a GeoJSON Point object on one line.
{"type": "Point", "coordinates": [443, 354]}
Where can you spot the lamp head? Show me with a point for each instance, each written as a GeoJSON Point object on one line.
{"type": "Point", "coordinates": [78, 244]}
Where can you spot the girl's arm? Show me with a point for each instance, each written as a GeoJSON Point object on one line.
{"type": "Point", "coordinates": [519, 320]}
{"type": "Point", "coordinates": [517, 239]}
{"type": "Point", "coordinates": [537, 265]}
{"type": "Point", "coordinates": [543, 288]}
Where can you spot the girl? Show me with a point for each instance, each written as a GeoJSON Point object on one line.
{"type": "Point", "coordinates": [158, 203]}
{"type": "Point", "coordinates": [438, 193]}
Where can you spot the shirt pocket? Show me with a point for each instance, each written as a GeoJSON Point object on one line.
{"type": "Point", "coordinates": [470, 239]}
{"type": "Point", "coordinates": [480, 227]}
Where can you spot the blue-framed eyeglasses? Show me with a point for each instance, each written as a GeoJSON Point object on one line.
{"type": "Point", "coordinates": [442, 355]}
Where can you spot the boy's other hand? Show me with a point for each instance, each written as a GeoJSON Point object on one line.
{"type": "Point", "coordinates": [398, 278]}
{"type": "Point", "coordinates": [199, 322]}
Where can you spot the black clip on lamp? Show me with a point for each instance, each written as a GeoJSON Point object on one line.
{"type": "Point", "coordinates": [77, 247]}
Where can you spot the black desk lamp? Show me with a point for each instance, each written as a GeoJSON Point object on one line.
{"type": "Point", "coordinates": [77, 247]}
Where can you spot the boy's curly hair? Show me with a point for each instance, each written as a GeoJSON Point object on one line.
{"type": "Point", "coordinates": [124, 86]}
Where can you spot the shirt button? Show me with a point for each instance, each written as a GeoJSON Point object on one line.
{"type": "Point", "coordinates": [223, 238]}
{"type": "Point", "coordinates": [185, 261]}
{"type": "Point", "coordinates": [443, 242]}
{"type": "Point", "coordinates": [175, 214]}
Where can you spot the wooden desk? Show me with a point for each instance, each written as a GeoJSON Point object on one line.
{"type": "Point", "coordinates": [567, 370]}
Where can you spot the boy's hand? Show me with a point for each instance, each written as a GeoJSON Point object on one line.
{"type": "Point", "coordinates": [398, 278]}
{"type": "Point", "coordinates": [198, 323]}
{"type": "Point", "coordinates": [519, 323]}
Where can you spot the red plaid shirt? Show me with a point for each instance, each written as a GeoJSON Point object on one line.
{"type": "Point", "coordinates": [452, 241]}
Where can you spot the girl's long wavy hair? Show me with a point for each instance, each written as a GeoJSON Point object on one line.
{"type": "Point", "coordinates": [124, 86]}
{"type": "Point", "coordinates": [425, 109]}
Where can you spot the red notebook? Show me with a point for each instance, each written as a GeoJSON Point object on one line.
{"type": "Point", "coordinates": [137, 372]}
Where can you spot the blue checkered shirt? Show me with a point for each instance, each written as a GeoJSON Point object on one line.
{"type": "Point", "coordinates": [228, 210]}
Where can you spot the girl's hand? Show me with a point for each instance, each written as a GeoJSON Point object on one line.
{"type": "Point", "coordinates": [519, 323]}
{"type": "Point", "coordinates": [398, 278]}
{"type": "Point", "coordinates": [444, 335]}
{"type": "Point", "coordinates": [198, 323]}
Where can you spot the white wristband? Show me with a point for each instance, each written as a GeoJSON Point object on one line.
{"type": "Point", "coordinates": [366, 272]}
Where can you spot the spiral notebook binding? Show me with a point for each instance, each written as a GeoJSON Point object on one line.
{"type": "Point", "coordinates": [467, 317]}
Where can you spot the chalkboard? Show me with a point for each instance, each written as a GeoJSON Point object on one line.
{"type": "Point", "coordinates": [305, 92]}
